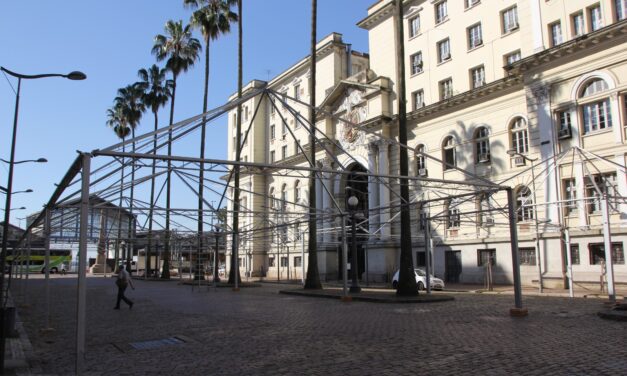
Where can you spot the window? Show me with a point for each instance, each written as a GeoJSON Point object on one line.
{"type": "Point", "coordinates": [620, 9]}
{"type": "Point", "coordinates": [420, 158]}
{"type": "Point", "coordinates": [524, 205]}
{"type": "Point", "coordinates": [272, 106]}
{"type": "Point", "coordinates": [272, 132]}
{"type": "Point", "coordinates": [474, 36]}
{"type": "Point", "coordinates": [596, 115]}
{"type": "Point", "coordinates": [520, 138]}
{"type": "Point", "coordinates": [594, 13]}
{"type": "Point", "coordinates": [296, 119]}
{"type": "Point", "coordinates": [418, 99]}
{"type": "Point", "coordinates": [298, 261]}
{"type": "Point", "coordinates": [477, 77]}
{"type": "Point", "coordinates": [297, 92]}
{"type": "Point", "coordinates": [527, 256]}
{"type": "Point", "coordinates": [564, 130]}
{"type": "Point", "coordinates": [271, 156]}
{"type": "Point", "coordinates": [284, 261]}
{"type": "Point", "coordinates": [597, 187]}
{"type": "Point", "coordinates": [513, 57]}
{"type": "Point", "coordinates": [555, 32]}
{"type": "Point", "coordinates": [245, 111]}
{"type": "Point", "coordinates": [416, 63]}
{"type": "Point", "coordinates": [509, 18]}
{"type": "Point", "coordinates": [597, 253]}
{"type": "Point", "coordinates": [486, 255]}
{"type": "Point", "coordinates": [273, 204]}
{"type": "Point", "coordinates": [574, 254]}
{"type": "Point", "coordinates": [441, 12]}
{"type": "Point", "coordinates": [423, 218]}
{"type": "Point", "coordinates": [485, 211]}
{"type": "Point", "coordinates": [444, 50]}
{"type": "Point", "coordinates": [453, 218]}
{"type": "Point", "coordinates": [283, 151]}
{"type": "Point", "coordinates": [297, 191]}
{"type": "Point", "coordinates": [471, 3]}
{"type": "Point", "coordinates": [284, 128]}
{"type": "Point", "coordinates": [421, 259]}
{"type": "Point", "coordinates": [414, 26]}
{"type": "Point", "coordinates": [482, 145]}
{"type": "Point", "coordinates": [271, 261]}
{"type": "Point", "coordinates": [448, 151]}
{"type": "Point", "coordinates": [284, 99]}
{"type": "Point", "coordinates": [577, 22]}
{"type": "Point", "coordinates": [284, 198]}
{"type": "Point", "coordinates": [570, 195]}
{"type": "Point", "coordinates": [446, 89]}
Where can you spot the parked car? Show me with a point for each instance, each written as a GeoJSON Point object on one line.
{"type": "Point", "coordinates": [421, 280]}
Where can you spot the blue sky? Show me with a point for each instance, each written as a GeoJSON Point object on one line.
{"type": "Point", "coordinates": [110, 41]}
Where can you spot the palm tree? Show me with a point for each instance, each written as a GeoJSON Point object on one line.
{"type": "Point", "coordinates": [118, 122]}
{"type": "Point", "coordinates": [130, 99]}
{"type": "Point", "coordinates": [234, 276]}
{"type": "Point", "coordinates": [181, 51]}
{"type": "Point", "coordinates": [313, 278]}
{"type": "Point", "coordinates": [213, 18]}
{"type": "Point", "coordinates": [156, 91]}
{"type": "Point", "coordinates": [406, 279]}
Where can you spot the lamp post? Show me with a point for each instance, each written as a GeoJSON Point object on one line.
{"type": "Point", "coordinates": [20, 208]}
{"type": "Point", "coordinates": [16, 192]}
{"type": "Point", "coordinates": [353, 201]}
{"type": "Point", "coordinates": [38, 160]}
{"type": "Point", "coordinates": [513, 152]}
{"type": "Point", "coordinates": [72, 76]}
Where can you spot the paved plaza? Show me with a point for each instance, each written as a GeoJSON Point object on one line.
{"type": "Point", "coordinates": [174, 330]}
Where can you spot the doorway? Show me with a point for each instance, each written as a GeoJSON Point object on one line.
{"type": "Point", "coordinates": [452, 266]}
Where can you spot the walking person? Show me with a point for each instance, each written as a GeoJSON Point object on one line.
{"type": "Point", "coordinates": [122, 281]}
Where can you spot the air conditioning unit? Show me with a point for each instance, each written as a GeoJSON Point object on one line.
{"type": "Point", "coordinates": [564, 133]}
{"type": "Point", "coordinates": [484, 157]}
{"type": "Point", "coordinates": [519, 161]}
{"type": "Point", "coordinates": [488, 221]}
{"type": "Point", "coordinates": [422, 172]}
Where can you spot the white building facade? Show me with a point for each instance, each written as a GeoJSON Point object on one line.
{"type": "Point", "coordinates": [545, 82]}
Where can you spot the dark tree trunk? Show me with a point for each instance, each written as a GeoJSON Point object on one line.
{"type": "Point", "coordinates": [313, 276]}
{"type": "Point", "coordinates": [166, 246]}
{"type": "Point", "coordinates": [406, 279]}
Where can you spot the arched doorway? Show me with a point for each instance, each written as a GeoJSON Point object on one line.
{"type": "Point", "coordinates": [356, 184]}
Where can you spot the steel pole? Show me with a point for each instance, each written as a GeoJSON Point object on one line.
{"type": "Point", "coordinates": [47, 233]}
{"type": "Point", "coordinates": [518, 309]}
{"type": "Point", "coordinates": [535, 216]}
{"type": "Point", "coordinates": [607, 241]}
{"type": "Point", "coordinates": [344, 257]}
{"type": "Point", "coordinates": [570, 263]}
{"type": "Point", "coordinates": [82, 261]}
{"type": "Point", "coordinates": [354, 260]}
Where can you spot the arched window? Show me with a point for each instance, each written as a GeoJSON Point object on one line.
{"type": "Point", "coordinates": [284, 197]}
{"type": "Point", "coordinates": [272, 199]}
{"type": "Point", "coordinates": [520, 135]}
{"type": "Point", "coordinates": [421, 161]}
{"type": "Point", "coordinates": [448, 153]}
{"type": "Point", "coordinates": [597, 114]}
{"type": "Point", "coordinates": [297, 192]}
{"type": "Point", "coordinates": [482, 145]}
{"type": "Point", "coordinates": [524, 204]}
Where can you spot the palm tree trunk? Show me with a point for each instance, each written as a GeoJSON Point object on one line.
{"type": "Point", "coordinates": [131, 222]}
{"type": "Point", "coordinates": [166, 247]}
{"type": "Point", "coordinates": [152, 200]}
{"type": "Point", "coordinates": [201, 173]}
{"type": "Point", "coordinates": [406, 279]}
{"type": "Point", "coordinates": [313, 276]}
{"type": "Point", "coordinates": [234, 276]}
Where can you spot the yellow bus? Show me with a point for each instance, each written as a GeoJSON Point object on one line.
{"type": "Point", "coordinates": [60, 260]}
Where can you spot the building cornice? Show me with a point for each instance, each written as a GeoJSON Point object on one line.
{"type": "Point", "coordinates": [615, 33]}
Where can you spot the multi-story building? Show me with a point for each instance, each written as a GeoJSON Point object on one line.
{"type": "Point", "coordinates": [527, 94]}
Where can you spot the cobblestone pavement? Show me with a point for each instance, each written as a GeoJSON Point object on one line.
{"type": "Point", "coordinates": [257, 331]}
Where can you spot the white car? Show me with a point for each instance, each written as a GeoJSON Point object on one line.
{"type": "Point", "coordinates": [421, 280]}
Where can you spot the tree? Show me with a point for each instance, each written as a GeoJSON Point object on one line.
{"type": "Point", "coordinates": [118, 122]}
{"type": "Point", "coordinates": [130, 100]}
{"type": "Point", "coordinates": [181, 51]}
{"type": "Point", "coordinates": [213, 18]}
{"type": "Point", "coordinates": [156, 91]}
{"type": "Point", "coordinates": [313, 276]}
{"type": "Point", "coordinates": [406, 279]}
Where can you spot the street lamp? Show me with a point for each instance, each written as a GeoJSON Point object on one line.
{"type": "Point", "coordinates": [353, 201]}
{"type": "Point", "coordinates": [5, 230]}
{"type": "Point", "coordinates": [512, 153]}
{"type": "Point", "coordinates": [3, 190]}
{"type": "Point", "coordinates": [20, 208]}
{"type": "Point", "coordinates": [39, 160]}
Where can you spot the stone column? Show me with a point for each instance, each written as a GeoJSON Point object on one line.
{"type": "Point", "coordinates": [384, 190]}
{"type": "Point", "coordinates": [373, 190]}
